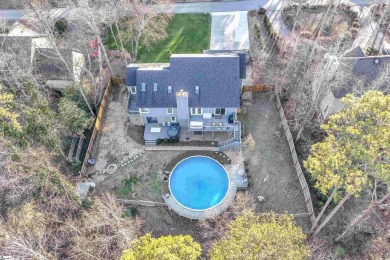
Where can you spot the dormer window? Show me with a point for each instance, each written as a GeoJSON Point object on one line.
{"type": "Point", "coordinates": [143, 87]}
{"type": "Point", "coordinates": [155, 87]}
{"type": "Point", "coordinates": [169, 89]}
{"type": "Point", "coordinates": [197, 89]}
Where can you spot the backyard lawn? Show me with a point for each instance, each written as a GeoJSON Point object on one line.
{"type": "Point", "coordinates": [187, 33]}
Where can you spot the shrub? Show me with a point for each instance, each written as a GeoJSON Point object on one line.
{"type": "Point", "coordinates": [339, 251]}
{"type": "Point", "coordinates": [262, 10]}
{"type": "Point", "coordinates": [356, 25]}
{"type": "Point", "coordinates": [61, 25]}
{"type": "Point", "coordinates": [130, 212]}
{"type": "Point", "coordinates": [354, 31]}
{"type": "Point", "coordinates": [73, 119]}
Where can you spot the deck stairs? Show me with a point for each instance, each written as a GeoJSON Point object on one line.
{"type": "Point", "coordinates": [150, 142]}
{"type": "Point", "coordinates": [233, 142]}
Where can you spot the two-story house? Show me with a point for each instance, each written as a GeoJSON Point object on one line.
{"type": "Point", "coordinates": [197, 92]}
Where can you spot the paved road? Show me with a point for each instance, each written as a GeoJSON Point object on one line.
{"type": "Point", "coordinates": [229, 6]}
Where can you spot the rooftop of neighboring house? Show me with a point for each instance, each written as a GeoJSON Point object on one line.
{"type": "Point", "coordinates": [364, 67]}
{"type": "Point", "coordinates": [48, 65]}
{"type": "Point", "coordinates": [211, 80]}
{"type": "Point", "coordinates": [16, 45]}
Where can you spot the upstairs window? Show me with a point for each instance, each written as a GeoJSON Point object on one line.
{"type": "Point", "coordinates": [169, 110]}
{"type": "Point", "coordinates": [196, 111]}
{"type": "Point", "coordinates": [144, 110]}
{"type": "Point", "coordinates": [220, 111]}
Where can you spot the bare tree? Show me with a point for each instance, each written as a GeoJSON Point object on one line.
{"type": "Point", "coordinates": [41, 15]}
{"type": "Point", "coordinates": [145, 24]}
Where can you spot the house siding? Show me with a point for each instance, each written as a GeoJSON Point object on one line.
{"type": "Point", "coordinates": [329, 105]}
{"type": "Point", "coordinates": [162, 115]}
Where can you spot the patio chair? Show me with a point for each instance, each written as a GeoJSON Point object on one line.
{"type": "Point", "coordinates": [162, 123]}
{"type": "Point", "coordinates": [168, 123]}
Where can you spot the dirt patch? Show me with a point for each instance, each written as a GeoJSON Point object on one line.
{"type": "Point", "coordinates": [272, 171]}
{"type": "Point", "coordinates": [113, 145]}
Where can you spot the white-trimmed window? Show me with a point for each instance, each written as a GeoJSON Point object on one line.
{"type": "Point", "coordinates": [220, 111]}
{"type": "Point", "coordinates": [133, 90]}
{"type": "Point", "coordinates": [144, 110]}
{"type": "Point", "coordinates": [173, 119]}
{"type": "Point", "coordinates": [196, 111]}
{"type": "Point", "coordinates": [169, 110]}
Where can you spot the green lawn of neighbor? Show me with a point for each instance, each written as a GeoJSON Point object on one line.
{"type": "Point", "coordinates": [187, 33]}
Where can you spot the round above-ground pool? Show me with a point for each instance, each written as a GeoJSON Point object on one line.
{"type": "Point", "coordinates": [199, 183]}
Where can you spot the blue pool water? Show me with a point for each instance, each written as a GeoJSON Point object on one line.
{"type": "Point", "coordinates": [199, 183]}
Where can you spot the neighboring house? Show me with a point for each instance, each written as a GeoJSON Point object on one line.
{"type": "Point", "coordinates": [54, 71]}
{"type": "Point", "coordinates": [33, 53]}
{"type": "Point", "coordinates": [198, 92]}
{"type": "Point", "coordinates": [362, 67]}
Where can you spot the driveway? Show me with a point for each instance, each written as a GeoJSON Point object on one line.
{"type": "Point", "coordinates": [229, 31]}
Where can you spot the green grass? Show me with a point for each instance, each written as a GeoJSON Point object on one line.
{"type": "Point", "coordinates": [187, 33]}
{"type": "Point", "coordinates": [156, 184]}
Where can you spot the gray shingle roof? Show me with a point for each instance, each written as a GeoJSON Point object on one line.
{"type": "Point", "coordinates": [356, 52]}
{"type": "Point", "coordinates": [19, 46]}
{"type": "Point", "coordinates": [366, 68]}
{"type": "Point", "coordinates": [244, 57]}
{"type": "Point", "coordinates": [48, 65]}
{"type": "Point", "coordinates": [218, 77]}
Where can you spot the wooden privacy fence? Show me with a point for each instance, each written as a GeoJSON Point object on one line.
{"type": "Point", "coordinates": [96, 129]}
{"type": "Point", "coordinates": [301, 177]}
{"type": "Point", "coordinates": [256, 88]}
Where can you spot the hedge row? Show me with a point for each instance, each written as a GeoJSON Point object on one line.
{"type": "Point", "coordinates": [271, 32]}
{"type": "Point", "coordinates": [258, 34]}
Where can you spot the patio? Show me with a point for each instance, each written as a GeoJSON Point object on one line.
{"type": "Point", "coordinates": [216, 123]}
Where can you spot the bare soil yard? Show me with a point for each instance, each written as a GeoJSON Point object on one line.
{"type": "Point", "coordinates": [273, 175]}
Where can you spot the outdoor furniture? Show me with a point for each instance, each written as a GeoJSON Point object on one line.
{"type": "Point", "coordinates": [231, 119]}
{"type": "Point", "coordinates": [220, 124]}
{"type": "Point", "coordinates": [213, 124]}
{"type": "Point", "coordinates": [173, 132]}
{"type": "Point", "coordinates": [162, 123]}
{"type": "Point", "coordinates": [207, 115]}
{"type": "Point", "coordinates": [196, 125]}
{"type": "Point", "coordinates": [155, 129]}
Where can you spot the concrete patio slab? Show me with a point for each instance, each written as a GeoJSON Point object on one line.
{"type": "Point", "coordinates": [229, 31]}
